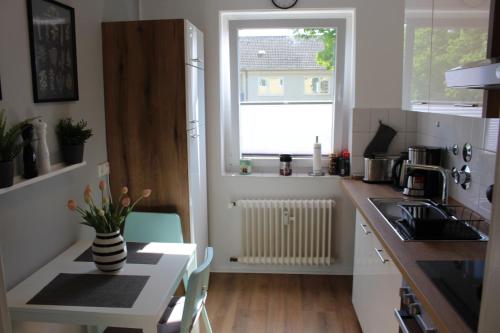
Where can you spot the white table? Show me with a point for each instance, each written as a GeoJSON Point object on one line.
{"type": "Point", "coordinates": [163, 281]}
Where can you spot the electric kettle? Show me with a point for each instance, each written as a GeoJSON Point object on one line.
{"type": "Point", "coordinates": [399, 170]}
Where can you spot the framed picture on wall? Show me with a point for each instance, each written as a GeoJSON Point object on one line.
{"type": "Point", "coordinates": [53, 51]}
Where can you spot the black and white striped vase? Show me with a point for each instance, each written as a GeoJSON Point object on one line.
{"type": "Point", "coordinates": [109, 251]}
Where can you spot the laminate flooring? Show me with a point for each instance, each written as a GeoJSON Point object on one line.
{"type": "Point", "coordinates": [279, 303]}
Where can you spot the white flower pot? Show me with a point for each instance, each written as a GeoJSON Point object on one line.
{"type": "Point", "coordinates": [109, 251]}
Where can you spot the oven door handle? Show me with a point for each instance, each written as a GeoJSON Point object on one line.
{"type": "Point", "coordinates": [423, 325]}
{"type": "Point", "coordinates": [401, 322]}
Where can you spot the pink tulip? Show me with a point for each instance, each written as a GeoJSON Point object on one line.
{"type": "Point", "coordinates": [102, 185]}
{"type": "Point", "coordinates": [72, 204]}
{"type": "Point", "coordinates": [126, 202]}
{"type": "Point", "coordinates": [146, 193]}
{"type": "Point", "coordinates": [88, 189]}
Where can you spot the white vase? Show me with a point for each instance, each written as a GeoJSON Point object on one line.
{"type": "Point", "coordinates": [109, 251]}
{"type": "Point", "coordinates": [43, 155]}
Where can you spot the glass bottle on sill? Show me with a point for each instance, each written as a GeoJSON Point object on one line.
{"type": "Point", "coordinates": [285, 165]}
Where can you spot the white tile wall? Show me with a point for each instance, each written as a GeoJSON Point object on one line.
{"type": "Point", "coordinates": [365, 125]}
{"type": "Point", "coordinates": [435, 130]}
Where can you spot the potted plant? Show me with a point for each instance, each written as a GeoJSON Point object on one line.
{"type": "Point", "coordinates": [109, 250]}
{"type": "Point", "coordinates": [10, 147]}
{"type": "Point", "coordinates": [72, 138]}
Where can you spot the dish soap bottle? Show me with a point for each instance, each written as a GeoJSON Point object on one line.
{"type": "Point", "coordinates": [317, 171]}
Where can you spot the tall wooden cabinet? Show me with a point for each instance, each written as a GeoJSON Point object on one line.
{"type": "Point", "coordinates": [155, 117]}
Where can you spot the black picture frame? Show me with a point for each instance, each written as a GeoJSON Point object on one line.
{"type": "Point", "coordinates": [52, 37]}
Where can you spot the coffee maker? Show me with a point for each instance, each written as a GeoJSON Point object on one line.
{"type": "Point", "coordinates": [420, 183]}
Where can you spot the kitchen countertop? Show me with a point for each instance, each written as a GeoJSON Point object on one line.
{"type": "Point", "coordinates": [406, 254]}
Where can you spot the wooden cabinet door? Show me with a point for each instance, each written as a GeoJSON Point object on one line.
{"type": "Point", "coordinates": [145, 100]}
{"type": "Point", "coordinates": [459, 36]}
{"type": "Point", "coordinates": [417, 55]}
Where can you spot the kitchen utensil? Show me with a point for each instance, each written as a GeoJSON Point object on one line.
{"type": "Point", "coordinates": [399, 170]}
{"type": "Point", "coordinates": [378, 169]}
{"type": "Point", "coordinates": [420, 183]}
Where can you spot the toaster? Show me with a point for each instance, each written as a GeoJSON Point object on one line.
{"type": "Point", "coordinates": [378, 169]}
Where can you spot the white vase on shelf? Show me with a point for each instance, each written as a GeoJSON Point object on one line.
{"type": "Point", "coordinates": [43, 154]}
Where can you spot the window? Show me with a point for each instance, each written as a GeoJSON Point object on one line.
{"type": "Point", "coordinates": [270, 86]}
{"type": "Point", "coordinates": [280, 80]}
{"type": "Point", "coordinates": [272, 120]}
{"type": "Point", "coordinates": [316, 85]}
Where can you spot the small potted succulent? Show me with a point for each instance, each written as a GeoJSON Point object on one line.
{"type": "Point", "coordinates": [109, 250]}
{"type": "Point", "coordinates": [72, 138]}
{"type": "Point", "coordinates": [10, 147]}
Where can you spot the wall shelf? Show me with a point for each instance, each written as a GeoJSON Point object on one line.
{"type": "Point", "coordinates": [57, 169]}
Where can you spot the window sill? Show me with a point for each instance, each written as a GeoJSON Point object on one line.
{"type": "Point", "coordinates": [274, 175]}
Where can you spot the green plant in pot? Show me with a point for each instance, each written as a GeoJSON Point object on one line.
{"type": "Point", "coordinates": [72, 137]}
{"type": "Point", "coordinates": [10, 147]}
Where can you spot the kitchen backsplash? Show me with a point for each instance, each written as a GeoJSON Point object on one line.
{"type": "Point", "coordinates": [440, 131]}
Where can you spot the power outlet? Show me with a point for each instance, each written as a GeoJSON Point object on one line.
{"type": "Point", "coordinates": [103, 169]}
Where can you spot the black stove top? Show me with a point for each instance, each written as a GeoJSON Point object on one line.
{"type": "Point", "coordinates": [461, 283]}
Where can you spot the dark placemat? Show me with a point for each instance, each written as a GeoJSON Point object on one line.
{"type": "Point", "coordinates": [95, 290]}
{"type": "Point", "coordinates": [133, 255]}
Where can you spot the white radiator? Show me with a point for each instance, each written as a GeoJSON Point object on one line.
{"type": "Point", "coordinates": [287, 232]}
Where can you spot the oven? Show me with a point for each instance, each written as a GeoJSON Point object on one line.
{"type": "Point", "coordinates": [411, 316]}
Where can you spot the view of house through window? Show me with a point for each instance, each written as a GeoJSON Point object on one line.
{"type": "Point", "coordinates": [286, 90]}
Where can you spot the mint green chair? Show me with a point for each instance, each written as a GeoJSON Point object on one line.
{"type": "Point", "coordinates": [183, 312]}
{"type": "Point", "coordinates": [144, 227]}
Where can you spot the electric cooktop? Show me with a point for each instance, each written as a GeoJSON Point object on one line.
{"type": "Point", "coordinates": [461, 283]}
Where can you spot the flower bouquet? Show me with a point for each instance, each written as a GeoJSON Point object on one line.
{"type": "Point", "coordinates": [109, 250]}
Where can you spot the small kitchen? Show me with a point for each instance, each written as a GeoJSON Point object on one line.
{"type": "Point", "coordinates": [331, 164]}
{"type": "Point", "coordinates": [423, 207]}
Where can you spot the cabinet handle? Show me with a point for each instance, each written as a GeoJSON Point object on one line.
{"type": "Point", "coordinates": [401, 322]}
{"type": "Point", "coordinates": [194, 121]}
{"type": "Point", "coordinates": [363, 227]}
{"type": "Point", "coordinates": [194, 136]}
{"type": "Point", "coordinates": [423, 325]}
{"type": "Point", "coordinates": [196, 60]}
{"type": "Point", "coordinates": [379, 254]}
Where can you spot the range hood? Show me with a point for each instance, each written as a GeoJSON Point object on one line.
{"type": "Point", "coordinates": [484, 74]}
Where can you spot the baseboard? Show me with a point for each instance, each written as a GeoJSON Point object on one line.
{"type": "Point", "coordinates": [273, 269]}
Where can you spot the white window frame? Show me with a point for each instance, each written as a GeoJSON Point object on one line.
{"type": "Point", "coordinates": [319, 77]}
{"type": "Point", "coordinates": [230, 22]}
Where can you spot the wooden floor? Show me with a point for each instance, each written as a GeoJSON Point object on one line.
{"type": "Point", "coordinates": [260, 303]}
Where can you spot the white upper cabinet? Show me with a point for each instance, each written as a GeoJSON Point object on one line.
{"type": "Point", "coordinates": [441, 35]}
{"type": "Point", "coordinates": [417, 55]}
{"type": "Point", "coordinates": [194, 46]}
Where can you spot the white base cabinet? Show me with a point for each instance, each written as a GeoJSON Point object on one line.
{"type": "Point", "coordinates": [376, 282]}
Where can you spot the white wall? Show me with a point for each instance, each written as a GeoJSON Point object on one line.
{"type": "Point", "coordinates": [35, 225]}
{"type": "Point", "coordinates": [379, 58]}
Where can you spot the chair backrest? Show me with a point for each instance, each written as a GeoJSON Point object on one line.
{"type": "Point", "coordinates": [153, 227]}
{"type": "Point", "coordinates": [196, 292]}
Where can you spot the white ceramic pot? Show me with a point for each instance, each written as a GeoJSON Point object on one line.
{"type": "Point", "coordinates": [109, 251]}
